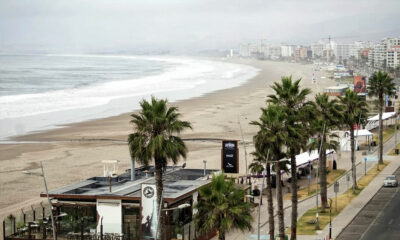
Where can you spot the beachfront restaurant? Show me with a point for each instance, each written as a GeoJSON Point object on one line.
{"type": "Point", "coordinates": [121, 207]}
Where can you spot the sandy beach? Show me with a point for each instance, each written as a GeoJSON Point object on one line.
{"type": "Point", "coordinates": [75, 152]}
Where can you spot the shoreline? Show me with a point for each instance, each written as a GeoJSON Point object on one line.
{"type": "Point", "coordinates": [213, 115]}
{"type": "Point", "coordinates": [182, 78]}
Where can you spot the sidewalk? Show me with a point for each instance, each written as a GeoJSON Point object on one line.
{"type": "Point", "coordinates": [348, 214]}
{"type": "Point", "coordinates": [345, 217]}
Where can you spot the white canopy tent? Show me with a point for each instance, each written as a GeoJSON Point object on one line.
{"type": "Point", "coordinates": [385, 115]}
{"type": "Point", "coordinates": [303, 159]}
{"type": "Point", "coordinates": [345, 141]}
{"type": "Point", "coordinates": [373, 122]}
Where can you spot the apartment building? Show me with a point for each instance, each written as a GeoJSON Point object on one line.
{"type": "Point", "coordinates": [393, 57]}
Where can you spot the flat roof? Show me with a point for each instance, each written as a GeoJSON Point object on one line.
{"type": "Point", "coordinates": [336, 88]}
{"type": "Point", "coordinates": [177, 182]}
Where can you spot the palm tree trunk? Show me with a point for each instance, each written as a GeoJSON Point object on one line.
{"type": "Point", "coordinates": [270, 204]}
{"type": "Point", "coordinates": [322, 170]}
{"type": "Point", "coordinates": [353, 159]}
{"type": "Point", "coordinates": [281, 228]}
{"type": "Point", "coordinates": [380, 130]}
{"type": "Point", "coordinates": [293, 170]}
{"type": "Point", "coordinates": [159, 187]}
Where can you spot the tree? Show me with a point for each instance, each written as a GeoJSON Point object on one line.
{"type": "Point", "coordinates": [221, 207]}
{"type": "Point", "coordinates": [328, 113]}
{"type": "Point", "coordinates": [381, 84]}
{"type": "Point", "coordinates": [154, 139]}
{"type": "Point", "coordinates": [293, 100]}
{"type": "Point", "coordinates": [272, 135]}
{"type": "Point", "coordinates": [260, 158]}
{"type": "Point", "coordinates": [354, 112]}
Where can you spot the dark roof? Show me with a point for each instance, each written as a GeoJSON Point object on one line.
{"type": "Point", "coordinates": [177, 182]}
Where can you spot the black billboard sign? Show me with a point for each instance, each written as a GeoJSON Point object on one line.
{"type": "Point", "coordinates": [230, 160]}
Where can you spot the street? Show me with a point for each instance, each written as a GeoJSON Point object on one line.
{"type": "Point", "coordinates": [379, 219]}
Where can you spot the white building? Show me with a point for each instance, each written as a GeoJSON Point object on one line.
{"type": "Point", "coordinates": [393, 57]}
{"type": "Point", "coordinates": [287, 51]}
{"type": "Point", "coordinates": [379, 55]}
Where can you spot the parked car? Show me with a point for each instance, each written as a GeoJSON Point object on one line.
{"type": "Point", "coordinates": [390, 181]}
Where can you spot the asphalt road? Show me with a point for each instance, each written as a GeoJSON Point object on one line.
{"type": "Point", "coordinates": [379, 219]}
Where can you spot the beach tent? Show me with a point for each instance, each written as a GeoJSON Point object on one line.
{"type": "Point", "coordinates": [304, 158]}
{"type": "Point", "coordinates": [373, 122]}
{"type": "Point", "coordinates": [345, 141]}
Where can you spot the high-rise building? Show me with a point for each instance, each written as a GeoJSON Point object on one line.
{"type": "Point", "coordinates": [287, 51]}
{"type": "Point", "coordinates": [393, 57]}
{"type": "Point", "coordinates": [381, 49]}
{"type": "Point", "coordinates": [380, 55]}
{"type": "Point", "coordinates": [342, 52]}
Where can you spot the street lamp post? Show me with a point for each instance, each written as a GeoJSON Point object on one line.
{"type": "Point", "coordinates": [309, 177]}
{"type": "Point", "coordinates": [48, 198]}
{"type": "Point", "coordinates": [330, 218]}
{"type": "Point", "coordinates": [244, 145]}
{"type": "Point", "coordinates": [259, 205]}
{"type": "Point", "coordinates": [316, 179]}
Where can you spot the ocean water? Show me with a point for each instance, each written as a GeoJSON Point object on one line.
{"type": "Point", "coordinates": [39, 92]}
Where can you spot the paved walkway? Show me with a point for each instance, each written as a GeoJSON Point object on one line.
{"type": "Point", "coordinates": [345, 217]}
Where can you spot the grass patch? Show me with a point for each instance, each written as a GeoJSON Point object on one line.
{"type": "Point", "coordinates": [387, 134]}
{"type": "Point", "coordinates": [392, 152]}
{"type": "Point", "coordinates": [332, 176]}
{"type": "Point", "coordinates": [303, 225]}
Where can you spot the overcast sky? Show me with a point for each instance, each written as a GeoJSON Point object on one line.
{"type": "Point", "coordinates": [188, 25]}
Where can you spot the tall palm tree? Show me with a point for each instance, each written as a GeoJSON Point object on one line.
{"type": "Point", "coordinates": [156, 127]}
{"type": "Point", "coordinates": [381, 84]}
{"type": "Point", "coordinates": [328, 113]}
{"type": "Point", "coordinates": [328, 142]}
{"type": "Point", "coordinates": [354, 111]}
{"type": "Point", "coordinates": [294, 101]}
{"type": "Point", "coordinates": [260, 158]}
{"type": "Point", "coordinates": [221, 207]}
{"type": "Point", "coordinates": [272, 135]}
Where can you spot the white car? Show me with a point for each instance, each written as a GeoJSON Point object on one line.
{"type": "Point", "coordinates": [390, 181]}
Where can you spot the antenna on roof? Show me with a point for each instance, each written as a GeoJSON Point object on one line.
{"type": "Point", "coordinates": [183, 165]}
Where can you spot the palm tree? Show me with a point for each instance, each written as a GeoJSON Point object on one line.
{"type": "Point", "coordinates": [155, 126]}
{"type": "Point", "coordinates": [328, 113]}
{"type": "Point", "coordinates": [294, 101]}
{"type": "Point", "coordinates": [272, 135]}
{"type": "Point", "coordinates": [354, 111]}
{"type": "Point", "coordinates": [221, 207]}
{"type": "Point", "coordinates": [381, 84]}
{"type": "Point", "coordinates": [260, 158]}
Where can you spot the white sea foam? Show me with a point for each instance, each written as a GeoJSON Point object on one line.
{"type": "Point", "coordinates": [187, 78]}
